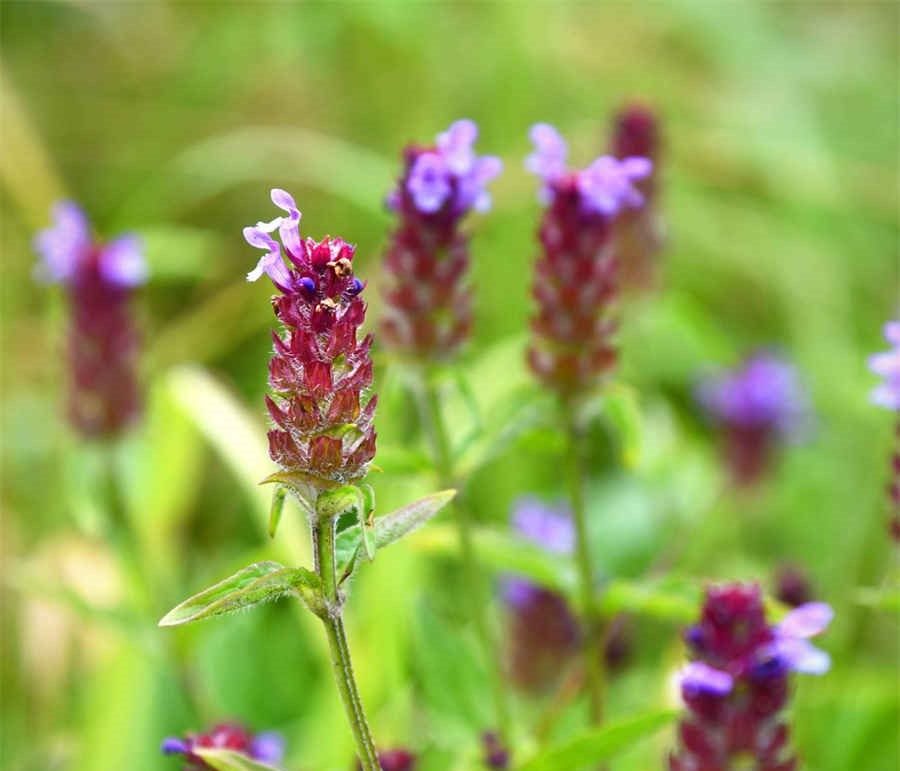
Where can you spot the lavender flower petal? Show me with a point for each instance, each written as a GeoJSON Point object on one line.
{"type": "Point", "coordinates": [548, 527]}
{"type": "Point", "coordinates": [288, 227]}
{"type": "Point", "coordinates": [267, 747]}
{"type": "Point", "coordinates": [455, 145]}
{"type": "Point", "coordinates": [887, 366]}
{"type": "Point", "coordinates": [122, 262]}
{"type": "Point", "coordinates": [799, 655]}
{"type": "Point", "coordinates": [808, 620]}
{"type": "Point", "coordinates": [697, 677]}
{"type": "Point", "coordinates": [65, 243]}
{"type": "Point", "coordinates": [429, 182]}
{"type": "Point", "coordinates": [548, 160]}
{"type": "Point", "coordinates": [172, 745]}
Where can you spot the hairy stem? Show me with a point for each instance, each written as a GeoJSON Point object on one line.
{"type": "Point", "coordinates": [593, 622]}
{"type": "Point", "coordinates": [433, 423]}
{"type": "Point", "coordinates": [332, 618]}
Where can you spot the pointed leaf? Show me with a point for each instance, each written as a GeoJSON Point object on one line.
{"type": "Point", "coordinates": [600, 744]}
{"type": "Point", "coordinates": [257, 583]}
{"type": "Point", "coordinates": [276, 510]}
{"type": "Point", "coordinates": [227, 760]}
{"type": "Point", "coordinates": [390, 527]}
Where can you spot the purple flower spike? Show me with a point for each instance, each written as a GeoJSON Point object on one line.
{"type": "Point", "coordinates": [64, 245]}
{"type": "Point", "coordinates": [697, 678]}
{"type": "Point", "coordinates": [548, 527]}
{"type": "Point", "coordinates": [429, 182]}
{"type": "Point", "coordinates": [887, 366]}
{"type": "Point", "coordinates": [267, 747]}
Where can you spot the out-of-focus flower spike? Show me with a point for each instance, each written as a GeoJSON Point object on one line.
{"type": "Point", "coordinates": [266, 747]}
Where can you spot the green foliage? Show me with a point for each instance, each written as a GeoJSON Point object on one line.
{"type": "Point", "coordinates": [599, 744]}
{"type": "Point", "coordinates": [252, 585]}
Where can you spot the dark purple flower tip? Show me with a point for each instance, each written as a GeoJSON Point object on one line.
{"type": "Point", "coordinates": [172, 745]}
{"type": "Point", "coordinates": [548, 526]}
{"type": "Point", "coordinates": [496, 756]}
{"type": "Point", "coordinates": [698, 678]}
{"type": "Point", "coordinates": [355, 287]}
{"type": "Point", "coordinates": [694, 637]}
{"type": "Point", "coordinates": [770, 667]}
{"type": "Point", "coordinates": [518, 592]}
{"type": "Point", "coordinates": [887, 366]}
{"type": "Point", "coordinates": [308, 285]}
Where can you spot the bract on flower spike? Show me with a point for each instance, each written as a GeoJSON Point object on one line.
{"type": "Point", "coordinates": [99, 280]}
{"type": "Point", "coordinates": [320, 372]}
{"type": "Point", "coordinates": [576, 276]}
{"type": "Point", "coordinates": [428, 305]}
{"type": "Point", "coordinates": [639, 233]}
{"type": "Point", "coordinates": [756, 407]}
{"type": "Point", "coordinates": [887, 394]}
{"type": "Point", "coordinates": [266, 747]}
{"type": "Point", "coordinates": [736, 687]}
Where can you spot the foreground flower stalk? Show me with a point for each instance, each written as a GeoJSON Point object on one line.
{"type": "Point", "coordinates": [737, 685]}
{"type": "Point", "coordinates": [428, 314]}
{"type": "Point", "coordinates": [576, 287]}
{"type": "Point", "coordinates": [323, 436]}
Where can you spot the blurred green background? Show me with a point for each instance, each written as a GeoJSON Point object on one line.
{"type": "Point", "coordinates": [780, 189]}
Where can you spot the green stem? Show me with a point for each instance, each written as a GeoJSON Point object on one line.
{"type": "Point", "coordinates": [332, 618]}
{"type": "Point", "coordinates": [593, 622]}
{"type": "Point", "coordinates": [433, 422]}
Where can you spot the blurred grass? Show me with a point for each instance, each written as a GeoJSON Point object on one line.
{"type": "Point", "coordinates": [174, 119]}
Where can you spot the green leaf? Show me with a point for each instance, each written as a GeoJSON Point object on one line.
{"type": "Point", "coordinates": [226, 760]}
{"type": "Point", "coordinates": [389, 528]}
{"type": "Point", "coordinates": [885, 598]}
{"type": "Point", "coordinates": [672, 600]}
{"type": "Point", "coordinates": [257, 583]}
{"type": "Point", "coordinates": [600, 744]}
{"type": "Point", "coordinates": [276, 509]}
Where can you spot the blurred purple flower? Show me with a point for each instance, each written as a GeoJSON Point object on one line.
{"type": "Point", "coordinates": [266, 747]}
{"type": "Point", "coordinates": [697, 677]}
{"type": "Point", "coordinates": [887, 366]}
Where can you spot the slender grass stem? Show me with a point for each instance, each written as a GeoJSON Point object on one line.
{"type": "Point", "coordinates": [433, 423]}
{"type": "Point", "coordinates": [593, 622]}
{"type": "Point", "coordinates": [332, 618]}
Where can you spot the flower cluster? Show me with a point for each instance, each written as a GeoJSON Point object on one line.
{"type": "Point", "coordinates": [103, 343]}
{"type": "Point", "coordinates": [736, 686]}
{"type": "Point", "coordinates": [576, 276]}
{"type": "Point", "coordinates": [428, 311]}
{"type": "Point", "coordinates": [887, 394]}
{"type": "Point", "coordinates": [638, 232]}
{"type": "Point", "coordinates": [320, 372]}
{"type": "Point", "coordinates": [755, 406]}
{"type": "Point", "coordinates": [266, 747]}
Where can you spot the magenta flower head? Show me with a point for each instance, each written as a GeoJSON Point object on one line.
{"type": "Point", "coordinates": [428, 312]}
{"type": "Point", "coordinates": [103, 343]}
{"type": "Point", "coordinates": [576, 276]}
{"type": "Point", "coordinates": [320, 372]}
{"type": "Point", "coordinates": [266, 747]}
{"type": "Point", "coordinates": [736, 687]}
{"type": "Point", "coordinates": [639, 233]}
{"type": "Point", "coordinates": [756, 408]}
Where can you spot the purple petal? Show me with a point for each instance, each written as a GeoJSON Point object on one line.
{"type": "Point", "coordinates": [518, 592]}
{"type": "Point", "coordinates": [606, 185]}
{"type": "Point", "coordinates": [268, 747]}
{"type": "Point", "coordinates": [64, 243]}
{"type": "Point", "coordinates": [892, 332]}
{"type": "Point", "coordinates": [456, 146]}
{"type": "Point", "coordinates": [122, 262]}
{"type": "Point", "coordinates": [429, 182]}
{"type": "Point", "coordinates": [799, 655]}
{"type": "Point", "coordinates": [548, 160]}
{"type": "Point", "coordinates": [808, 620]}
{"type": "Point", "coordinates": [886, 396]}
{"type": "Point", "coordinates": [697, 678]}
{"type": "Point", "coordinates": [271, 264]}
{"type": "Point", "coordinates": [636, 167]}
{"type": "Point", "coordinates": [289, 227]}
{"type": "Point", "coordinates": [172, 745]}
{"type": "Point", "coordinates": [886, 364]}
{"type": "Point", "coordinates": [471, 192]}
